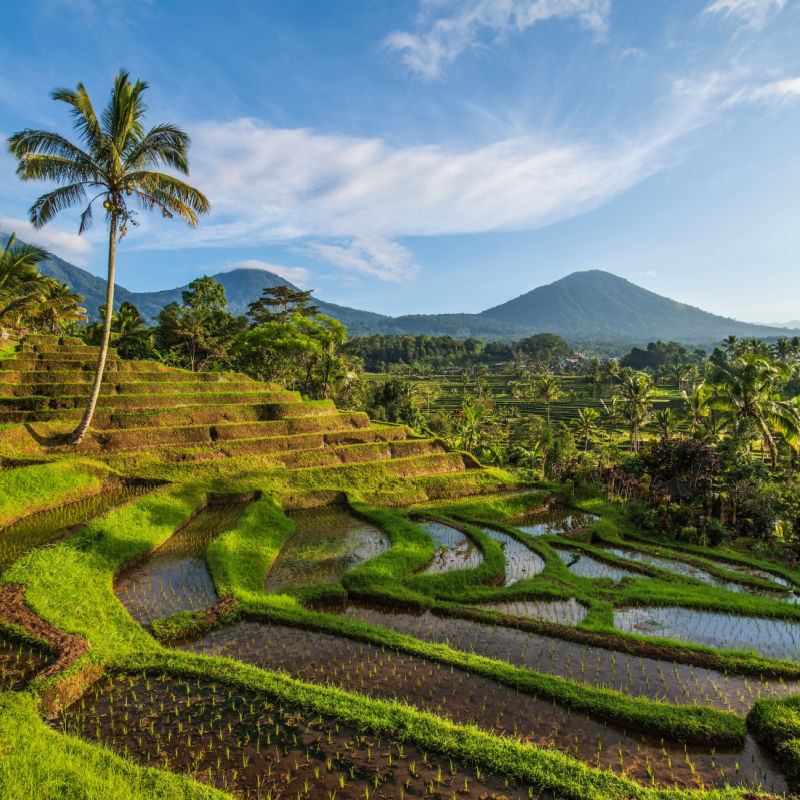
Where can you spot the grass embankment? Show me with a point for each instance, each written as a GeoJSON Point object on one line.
{"type": "Point", "coordinates": [776, 725]}
{"type": "Point", "coordinates": [26, 490]}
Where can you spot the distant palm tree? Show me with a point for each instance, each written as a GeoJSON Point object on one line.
{"type": "Point", "coordinates": [665, 422]}
{"type": "Point", "coordinates": [117, 158]}
{"type": "Point", "coordinates": [21, 283]}
{"type": "Point", "coordinates": [698, 404]}
{"type": "Point", "coordinates": [548, 387]}
{"type": "Point", "coordinates": [635, 395]}
{"type": "Point", "coordinates": [747, 392]}
{"type": "Point", "coordinates": [586, 423]}
{"type": "Point", "coordinates": [59, 304]}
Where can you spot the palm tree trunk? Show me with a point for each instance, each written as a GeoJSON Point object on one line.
{"type": "Point", "coordinates": [80, 431]}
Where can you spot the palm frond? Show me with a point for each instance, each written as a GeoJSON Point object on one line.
{"type": "Point", "coordinates": [55, 168]}
{"type": "Point", "coordinates": [48, 205]}
{"type": "Point", "coordinates": [163, 144]}
{"type": "Point", "coordinates": [84, 118]}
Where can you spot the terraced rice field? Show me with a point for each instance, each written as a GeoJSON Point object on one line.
{"type": "Point", "coordinates": [454, 549]}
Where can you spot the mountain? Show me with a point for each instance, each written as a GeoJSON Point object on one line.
{"type": "Point", "coordinates": [584, 306]}
{"type": "Point", "coordinates": [598, 305]}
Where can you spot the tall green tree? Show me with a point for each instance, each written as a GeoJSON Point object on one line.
{"type": "Point", "coordinates": [116, 159]}
{"type": "Point", "coordinates": [548, 387]}
{"type": "Point", "coordinates": [21, 283]}
{"type": "Point", "coordinates": [587, 425]}
{"type": "Point", "coordinates": [747, 391]}
{"type": "Point", "coordinates": [635, 392]}
{"type": "Point", "coordinates": [278, 303]}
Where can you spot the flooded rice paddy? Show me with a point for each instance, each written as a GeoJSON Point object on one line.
{"type": "Point", "coordinates": [557, 521]}
{"type": "Point", "coordinates": [563, 612]}
{"type": "Point", "coordinates": [20, 663]}
{"type": "Point", "coordinates": [327, 542]}
{"type": "Point", "coordinates": [771, 638]}
{"type": "Point", "coordinates": [521, 561]}
{"type": "Point", "coordinates": [632, 675]}
{"type": "Point", "coordinates": [175, 577]}
{"type": "Point", "coordinates": [452, 693]}
{"type": "Point", "coordinates": [45, 527]}
{"type": "Point", "coordinates": [454, 549]}
{"type": "Point", "coordinates": [588, 567]}
{"type": "Point", "coordinates": [251, 746]}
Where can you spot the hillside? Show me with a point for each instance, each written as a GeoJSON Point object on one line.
{"type": "Point", "coordinates": [597, 304]}
{"type": "Point", "coordinates": [591, 305]}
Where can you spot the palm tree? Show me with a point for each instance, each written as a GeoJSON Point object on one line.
{"type": "Point", "coordinates": [59, 304]}
{"type": "Point", "coordinates": [586, 422]}
{"type": "Point", "coordinates": [698, 404]}
{"type": "Point", "coordinates": [473, 413]}
{"type": "Point", "coordinates": [746, 391]}
{"type": "Point", "coordinates": [117, 158]}
{"type": "Point", "coordinates": [21, 283]}
{"type": "Point", "coordinates": [635, 394]}
{"type": "Point", "coordinates": [665, 422]}
{"type": "Point", "coordinates": [548, 387]}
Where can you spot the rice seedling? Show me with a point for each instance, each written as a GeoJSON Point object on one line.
{"type": "Point", "coordinates": [587, 567]}
{"type": "Point", "coordinates": [20, 662]}
{"type": "Point", "coordinates": [556, 521]}
{"type": "Point", "coordinates": [454, 549]}
{"type": "Point", "coordinates": [521, 561]}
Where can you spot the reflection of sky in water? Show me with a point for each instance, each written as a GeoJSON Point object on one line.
{"type": "Point", "coordinates": [327, 542]}
{"type": "Point", "coordinates": [564, 612]}
{"type": "Point", "coordinates": [772, 638]}
{"type": "Point", "coordinates": [454, 550]}
{"type": "Point", "coordinates": [521, 562]}
{"type": "Point", "coordinates": [588, 567]}
{"type": "Point", "coordinates": [553, 522]}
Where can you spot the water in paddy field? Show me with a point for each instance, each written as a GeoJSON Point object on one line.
{"type": "Point", "coordinates": [771, 638]}
{"type": "Point", "coordinates": [562, 612]}
{"type": "Point", "coordinates": [588, 567]}
{"type": "Point", "coordinates": [753, 572]}
{"type": "Point", "coordinates": [257, 748]}
{"type": "Point", "coordinates": [556, 521]}
{"type": "Point", "coordinates": [593, 665]}
{"type": "Point", "coordinates": [521, 561]}
{"type": "Point", "coordinates": [382, 673]}
{"type": "Point", "coordinates": [327, 542]}
{"type": "Point", "coordinates": [175, 577]}
{"type": "Point", "coordinates": [20, 662]}
{"type": "Point", "coordinates": [52, 524]}
{"type": "Point", "coordinates": [454, 549]}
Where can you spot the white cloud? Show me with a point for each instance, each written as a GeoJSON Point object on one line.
{"type": "Point", "coordinates": [753, 13]}
{"type": "Point", "coordinates": [346, 200]}
{"type": "Point", "coordinates": [774, 93]}
{"type": "Point", "coordinates": [446, 37]}
{"type": "Point", "coordinates": [66, 245]}
{"type": "Point", "coordinates": [373, 255]}
{"type": "Point", "coordinates": [298, 275]}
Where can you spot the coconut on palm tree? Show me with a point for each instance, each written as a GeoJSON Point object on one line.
{"type": "Point", "coordinates": [117, 161]}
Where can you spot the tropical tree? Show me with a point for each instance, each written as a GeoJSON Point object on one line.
{"type": "Point", "coordinates": [698, 404]}
{"type": "Point", "coordinates": [635, 396]}
{"type": "Point", "coordinates": [21, 283]}
{"type": "Point", "coordinates": [548, 388]}
{"type": "Point", "coordinates": [746, 389]}
{"type": "Point", "coordinates": [116, 159]}
{"type": "Point", "coordinates": [58, 304]}
{"type": "Point", "coordinates": [472, 413]}
{"type": "Point", "coordinates": [586, 423]}
{"type": "Point", "coordinates": [665, 422]}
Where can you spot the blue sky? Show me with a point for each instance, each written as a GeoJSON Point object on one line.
{"type": "Point", "coordinates": [444, 155]}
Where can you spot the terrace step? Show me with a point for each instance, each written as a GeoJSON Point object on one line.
{"type": "Point", "coordinates": [114, 386]}
{"type": "Point", "coordinates": [342, 428]}
{"type": "Point", "coordinates": [19, 377]}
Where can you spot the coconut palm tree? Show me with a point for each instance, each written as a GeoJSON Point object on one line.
{"type": "Point", "coordinates": [58, 304]}
{"type": "Point", "coordinates": [746, 389]}
{"type": "Point", "coordinates": [548, 387]}
{"type": "Point", "coordinates": [116, 159]}
{"type": "Point", "coordinates": [665, 422]}
{"type": "Point", "coordinates": [21, 283]}
{"type": "Point", "coordinates": [635, 396]}
{"type": "Point", "coordinates": [586, 423]}
{"type": "Point", "coordinates": [698, 404]}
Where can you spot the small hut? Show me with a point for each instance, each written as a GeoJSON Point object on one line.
{"type": "Point", "coordinates": [677, 489]}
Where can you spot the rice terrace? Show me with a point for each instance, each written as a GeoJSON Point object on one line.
{"type": "Point", "coordinates": [256, 544]}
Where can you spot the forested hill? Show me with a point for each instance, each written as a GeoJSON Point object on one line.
{"type": "Point", "coordinates": [583, 306]}
{"type": "Point", "coordinates": [597, 304]}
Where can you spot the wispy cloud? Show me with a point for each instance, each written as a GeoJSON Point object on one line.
{"type": "Point", "coordinates": [297, 275]}
{"type": "Point", "coordinates": [752, 13]}
{"type": "Point", "coordinates": [774, 93]}
{"type": "Point", "coordinates": [468, 23]}
{"type": "Point", "coordinates": [68, 245]}
{"type": "Point", "coordinates": [346, 200]}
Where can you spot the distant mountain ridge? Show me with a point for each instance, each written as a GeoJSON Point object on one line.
{"type": "Point", "coordinates": [591, 305]}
